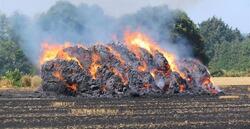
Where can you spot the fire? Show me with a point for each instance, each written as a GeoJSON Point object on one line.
{"type": "Point", "coordinates": [206, 81]}
{"type": "Point", "coordinates": [118, 73]}
{"type": "Point", "coordinates": [94, 65]}
{"type": "Point", "coordinates": [181, 88]}
{"type": "Point", "coordinates": [136, 40]}
{"type": "Point", "coordinates": [65, 56]}
{"type": "Point", "coordinates": [55, 51]}
{"type": "Point", "coordinates": [142, 67]}
{"type": "Point", "coordinates": [72, 87]}
{"type": "Point", "coordinates": [58, 75]}
{"type": "Point", "coordinates": [146, 86]}
{"type": "Point", "coordinates": [116, 54]}
{"type": "Point", "coordinates": [49, 51]}
{"type": "Point", "coordinates": [153, 74]}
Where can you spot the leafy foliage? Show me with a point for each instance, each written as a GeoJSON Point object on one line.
{"type": "Point", "coordinates": [233, 59]}
{"type": "Point", "coordinates": [184, 27]}
{"type": "Point", "coordinates": [12, 57]}
{"type": "Point", "coordinates": [214, 32]}
{"type": "Point", "coordinates": [4, 28]}
{"type": "Point", "coordinates": [14, 76]}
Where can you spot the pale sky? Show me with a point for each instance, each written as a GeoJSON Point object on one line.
{"type": "Point", "coordinates": [234, 12]}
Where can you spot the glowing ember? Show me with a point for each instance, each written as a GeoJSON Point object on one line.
{"type": "Point", "coordinates": [58, 75]}
{"type": "Point", "coordinates": [142, 67]}
{"type": "Point", "coordinates": [181, 88]}
{"type": "Point", "coordinates": [72, 88]}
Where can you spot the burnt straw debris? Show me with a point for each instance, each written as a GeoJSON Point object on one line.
{"type": "Point", "coordinates": [114, 70]}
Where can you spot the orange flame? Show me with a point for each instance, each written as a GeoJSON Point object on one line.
{"type": "Point", "coordinates": [116, 54]}
{"type": "Point", "coordinates": [181, 88]}
{"type": "Point", "coordinates": [136, 40]}
{"type": "Point", "coordinates": [72, 87]}
{"type": "Point", "coordinates": [118, 73]}
{"type": "Point", "coordinates": [58, 75]}
{"type": "Point", "coordinates": [49, 51]}
{"type": "Point", "coordinates": [94, 65]}
{"type": "Point", "coordinates": [146, 86]}
{"type": "Point", "coordinates": [206, 81]}
{"type": "Point", "coordinates": [142, 67]}
{"type": "Point", "coordinates": [55, 51]}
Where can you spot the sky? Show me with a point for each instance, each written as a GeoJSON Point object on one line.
{"type": "Point", "coordinates": [236, 13]}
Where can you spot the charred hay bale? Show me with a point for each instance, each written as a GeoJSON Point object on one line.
{"type": "Point", "coordinates": [141, 83]}
{"type": "Point", "coordinates": [62, 77]}
{"type": "Point", "coordinates": [197, 75]}
{"type": "Point", "coordinates": [176, 84]}
{"type": "Point", "coordinates": [126, 54]}
{"type": "Point", "coordinates": [161, 63]}
{"type": "Point", "coordinates": [81, 54]}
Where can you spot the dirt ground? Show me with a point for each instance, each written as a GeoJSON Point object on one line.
{"type": "Point", "coordinates": [22, 108]}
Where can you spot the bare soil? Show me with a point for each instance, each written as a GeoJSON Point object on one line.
{"type": "Point", "coordinates": [26, 109]}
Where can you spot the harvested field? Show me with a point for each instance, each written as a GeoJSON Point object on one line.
{"type": "Point", "coordinates": [231, 81]}
{"type": "Point", "coordinates": [145, 112]}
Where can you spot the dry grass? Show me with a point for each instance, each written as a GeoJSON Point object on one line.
{"type": "Point", "coordinates": [63, 104]}
{"type": "Point", "coordinates": [36, 81]}
{"type": "Point", "coordinates": [229, 97]}
{"type": "Point", "coordinates": [231, 81]}
{"type": "Point", "coordinates": [94, 112]}
{"type": "Point", "coordinates": [26, 81]}
{"type": "Point", "coordinates": [5, 83]}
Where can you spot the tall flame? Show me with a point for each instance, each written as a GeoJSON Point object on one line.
{"type": "Point", "coordinates": [55, 51]}
{"type": "Point", "coordinates": [94, 65]}
{"type": "Point", "coordinates": [136, 40]}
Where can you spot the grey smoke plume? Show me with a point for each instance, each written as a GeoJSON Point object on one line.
{"type": "Point", "coordinates": [86, 24]}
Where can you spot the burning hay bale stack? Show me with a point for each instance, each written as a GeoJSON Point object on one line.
{"type": "Point", "coordinates": [137, 67]}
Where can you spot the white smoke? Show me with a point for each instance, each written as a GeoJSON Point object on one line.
{"type": "Point", "coordinates": [89, 24]}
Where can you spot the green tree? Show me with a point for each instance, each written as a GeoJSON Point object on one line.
{"type": "Point", "coordinates": [11, 55]}
{"type": "Point", "coordinates": [4, 28]}
{"type": "Point", "coordinates": [185, 27]}
{"type": "Point", "coordinates": [232, 58]}
{"type": "Point", "coordinates": [214, 31]}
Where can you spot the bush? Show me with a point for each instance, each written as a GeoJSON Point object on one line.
{"type": "Point", "coordinates": [26, 81]}
{"type": "Point", "coordinates": [14, 76]}
{"type": "Point", "coordinates": [36, 81]}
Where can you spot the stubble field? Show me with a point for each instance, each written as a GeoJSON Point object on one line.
{"type": "Point", "coordinates": [22, 109]}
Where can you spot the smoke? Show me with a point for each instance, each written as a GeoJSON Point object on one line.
{"type": "Point", "coordinates": [88, 24]}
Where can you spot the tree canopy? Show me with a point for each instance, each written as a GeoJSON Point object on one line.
{"type": "Point", "coordinates": [214, 31]}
